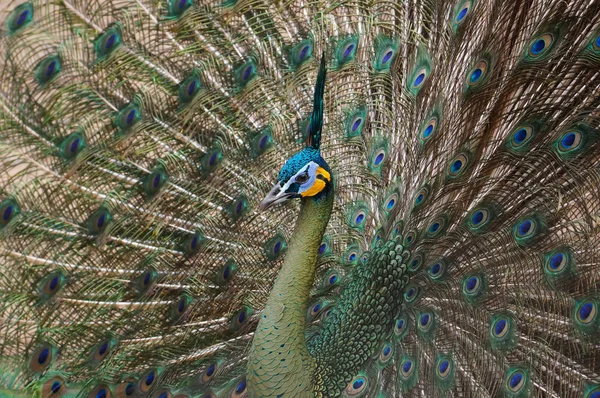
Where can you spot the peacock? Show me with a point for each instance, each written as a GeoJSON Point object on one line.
{"type": "Point", "coordinates": [292, 198]}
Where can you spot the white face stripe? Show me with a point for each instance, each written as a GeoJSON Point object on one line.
{"type": "Point", "coordinates": [312, 176]}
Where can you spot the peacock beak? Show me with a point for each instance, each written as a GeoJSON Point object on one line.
{"type": "Point", "coordinates": [277, 195]}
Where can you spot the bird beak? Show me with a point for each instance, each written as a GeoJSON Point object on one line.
{"type": "Point", "coordinates": [277, 195]}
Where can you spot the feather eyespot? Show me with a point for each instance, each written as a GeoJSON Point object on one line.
{"type": "Point", "coordinates": [421, 196]}
{"type": "Point", "coordinates": [526, 228]}
{"type": "Point", "coordinates": [386, 353]}
{"type": "Point", "coordinates": [415, 262]}
{"type": "Point", "coordinates": [239, 389]}
{"type": "Point", "coordinates": [516, 380]}
{"type": "Point", "coordinates": [48, 69]}
{"type": "Point", "coordinates": [101, 391]}
{"type": "Point", "coordinates": [479, 218]}
{"type": "Point", "coordinates": [521, 136]}
{"type": "Point", "coordinates": [189, 88]}
{"type": "Point", "coordinates": [406, 368]}
{"type": "Point", "coordinates": [316, 309]}
{"type": "Point", "coordinates": [429, 129]}
{"type": "Point", "coordinates": [444, 368]}
{"type": "Point", "coordinates": [20, 17]}
{"type": "Point", "coordinates": [463, 12]}
{"type": "Point", "coordinates": [301, 52]}
{"type": "Point", "coordinates": [457, 165]}
{"type": "Point", "coordinates": [437, 227]}
{"type": "Point", "coordinates": [54, 387]}
{"type": "Point", "coordinates": [586, 312]}
{"type": "Point", "coordinates": [8, 210]}
{"type": "Point", "coordinates": [148, 380]}
{"type": "Point", "coordinates": [556, 262]}
{"type": "Point", "coordinates": [41, 358]}
{"type": "Point", "coordinates": [99, 221]}
{"type": "Point", "coordinates": [346, 50]}
{"type": "Point", "coordinates": [420, 78]}
{"type": "Point", "coordinates": [411, 293]}
{"type": "Point", "coordinates": [477, 74]}
{"type": "Point", "coordinates": [500, 327]}
{"type": "Point", "coordinates": [436, 270]}
{"type": "Point", "coordinates": [108, 42]}
{"type": "Point", "coordinates": [425, 321]}
{"type": "Point", "coordinates": [540, 45]}
{"type": "Point", "coordinates": [409, 238]}
{"type": "Point", "coordinates": [471, 285]}
{"type": "Point", "coordinates": [391, 203]}
{"type": "Point", "coordinates": [570, 141]}
{"type": "Point", "coordinates": [357, 385]}
{"type": "Point", "coordinates": [400, 326]}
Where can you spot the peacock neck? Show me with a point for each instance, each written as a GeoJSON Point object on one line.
{"type": "Point", "coordinates": [279, 363]}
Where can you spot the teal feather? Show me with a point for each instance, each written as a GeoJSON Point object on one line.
{"type": "Point", "coordinates": [137, 140]}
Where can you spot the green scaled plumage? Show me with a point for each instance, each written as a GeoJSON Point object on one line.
{"type": "Point", "coordinates": [445, 243]}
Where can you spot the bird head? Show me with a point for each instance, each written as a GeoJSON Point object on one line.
{"type": "Point", "coordinates": [306, 174]}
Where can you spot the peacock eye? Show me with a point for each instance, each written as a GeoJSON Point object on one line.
{"type": "Point", "coordinates": [302, 178]}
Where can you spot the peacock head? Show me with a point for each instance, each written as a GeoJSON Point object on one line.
{"type": "Point", "coordinates": [305, 174]}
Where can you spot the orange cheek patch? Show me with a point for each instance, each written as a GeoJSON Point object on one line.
{"type": "Point", "coordinates": [315, 189]}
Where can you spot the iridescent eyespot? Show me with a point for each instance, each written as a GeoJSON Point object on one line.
{"type": "Point", "coordinates": [147, 380]}
{"type": "Point", "coordinates": [406, 368]}
{"type": "Point", "coordinates": [586, 311]}
{"type": "Point", "coordinates": [355, 122]}
{"type": "Point", "coordinates": [378, 155]}
{"type": "Point", "coordinates": [71, 146]}
{"type": "Point", "coordinates": [419, 78]}
{"type": "Point", "coordinates": [421, 196]}
{"type": "Point", "coordinates": [479, 219]}
{"type": "Point", "coordinates": [357, 216]}
{"type": "Point", "coordinates": [477, 74]}
{"type": "Point", "coordinates": [556, 262]}
{"type": "Point", "coordinates": [240, 318]}
{"type": "Point", "coordinates": [155, 181]}
{"type": "Point", "coordinates": [316, 309]}
{"type": "Point", "coordinates": [53, 388]}
{"type": "Point", "coordinates": [388, 54]}
{"type": "Point", "coordinates": [41, 358]}
{"type": "Point", "coordinates": [189, 88]}
{"type": "Point", "coordinates": [385, 52]}
{"type": "Point", "coordinates": [101, 351]}
{"type": "Point", "coordinates": [98, 221]}
{"type": "Point", "coordinates": [570, 141]}
{"type": "Point", "coordinates": [261, 142]}
{"type": "Point", "coordinates": [410, 237]}
{"type": "Point", "coordinates": [436, 227]}
{"type": "Point", "coordinates": [457, 166]}
{"type": "Point", "coordinates": [8, 210]}
{"type": "Point", "coordinates": [540, 46]}
{"type": "Point", "coordinates": [101, 391]}
{"type": "Point", "coordinates": [525, 228]}
{"type": "Point", "coordinates": [462, 11]}
{"type": "Point", "coordinates": [48, 68]}
{"type": "Point", "coordinates": [410, 294]}
{"type": "Point", "coordinates": [210, 160]}
{"type": "Point", "coordinates": [400, 326]}
{"type": "Point", "coordinates": [415, 262]}
{"type": "Point", "coordinates": [239, 389]}
{"type": "Point", "coordinates": [516, 380]}
{"type": "Point", "coordinates": [500, 327]}
{"type": "Point", "coordinates": [108, 41]}
{"type": "Point", "coordinates": [20, 17]}
{"type": "Point", "coordinates": [346, 50]}
{"type": "Point", "coordinates": [386, 353]}
{"type": "Point", "coordinates": [429, 129]}
{"type": "Point", "coordinates": [521, 136]}
{"type": "Point", "coordinates": [245, 73]}
{"type": "Point", "coordinates": [436, 270]}
{"type": "Point", "coordinates": [192, 244]}
{"type": "Point", "coordinates": [357, 385]}
{"type": "Point", "coordinates": [301, 52]}
{"type": "Point", "coordinates": [275, 247]}
{"type": "Point", "coordinates": [209, 372]}
{"type": "Point", "coordinates": [178, 308]}
{"type": "Point", "coordinates": [425, 321]}
{"type": "Point", "coordinates": [444, 367]}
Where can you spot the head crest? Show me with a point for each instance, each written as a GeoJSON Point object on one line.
{"type": "Point", "coordinates": [316, 119]}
